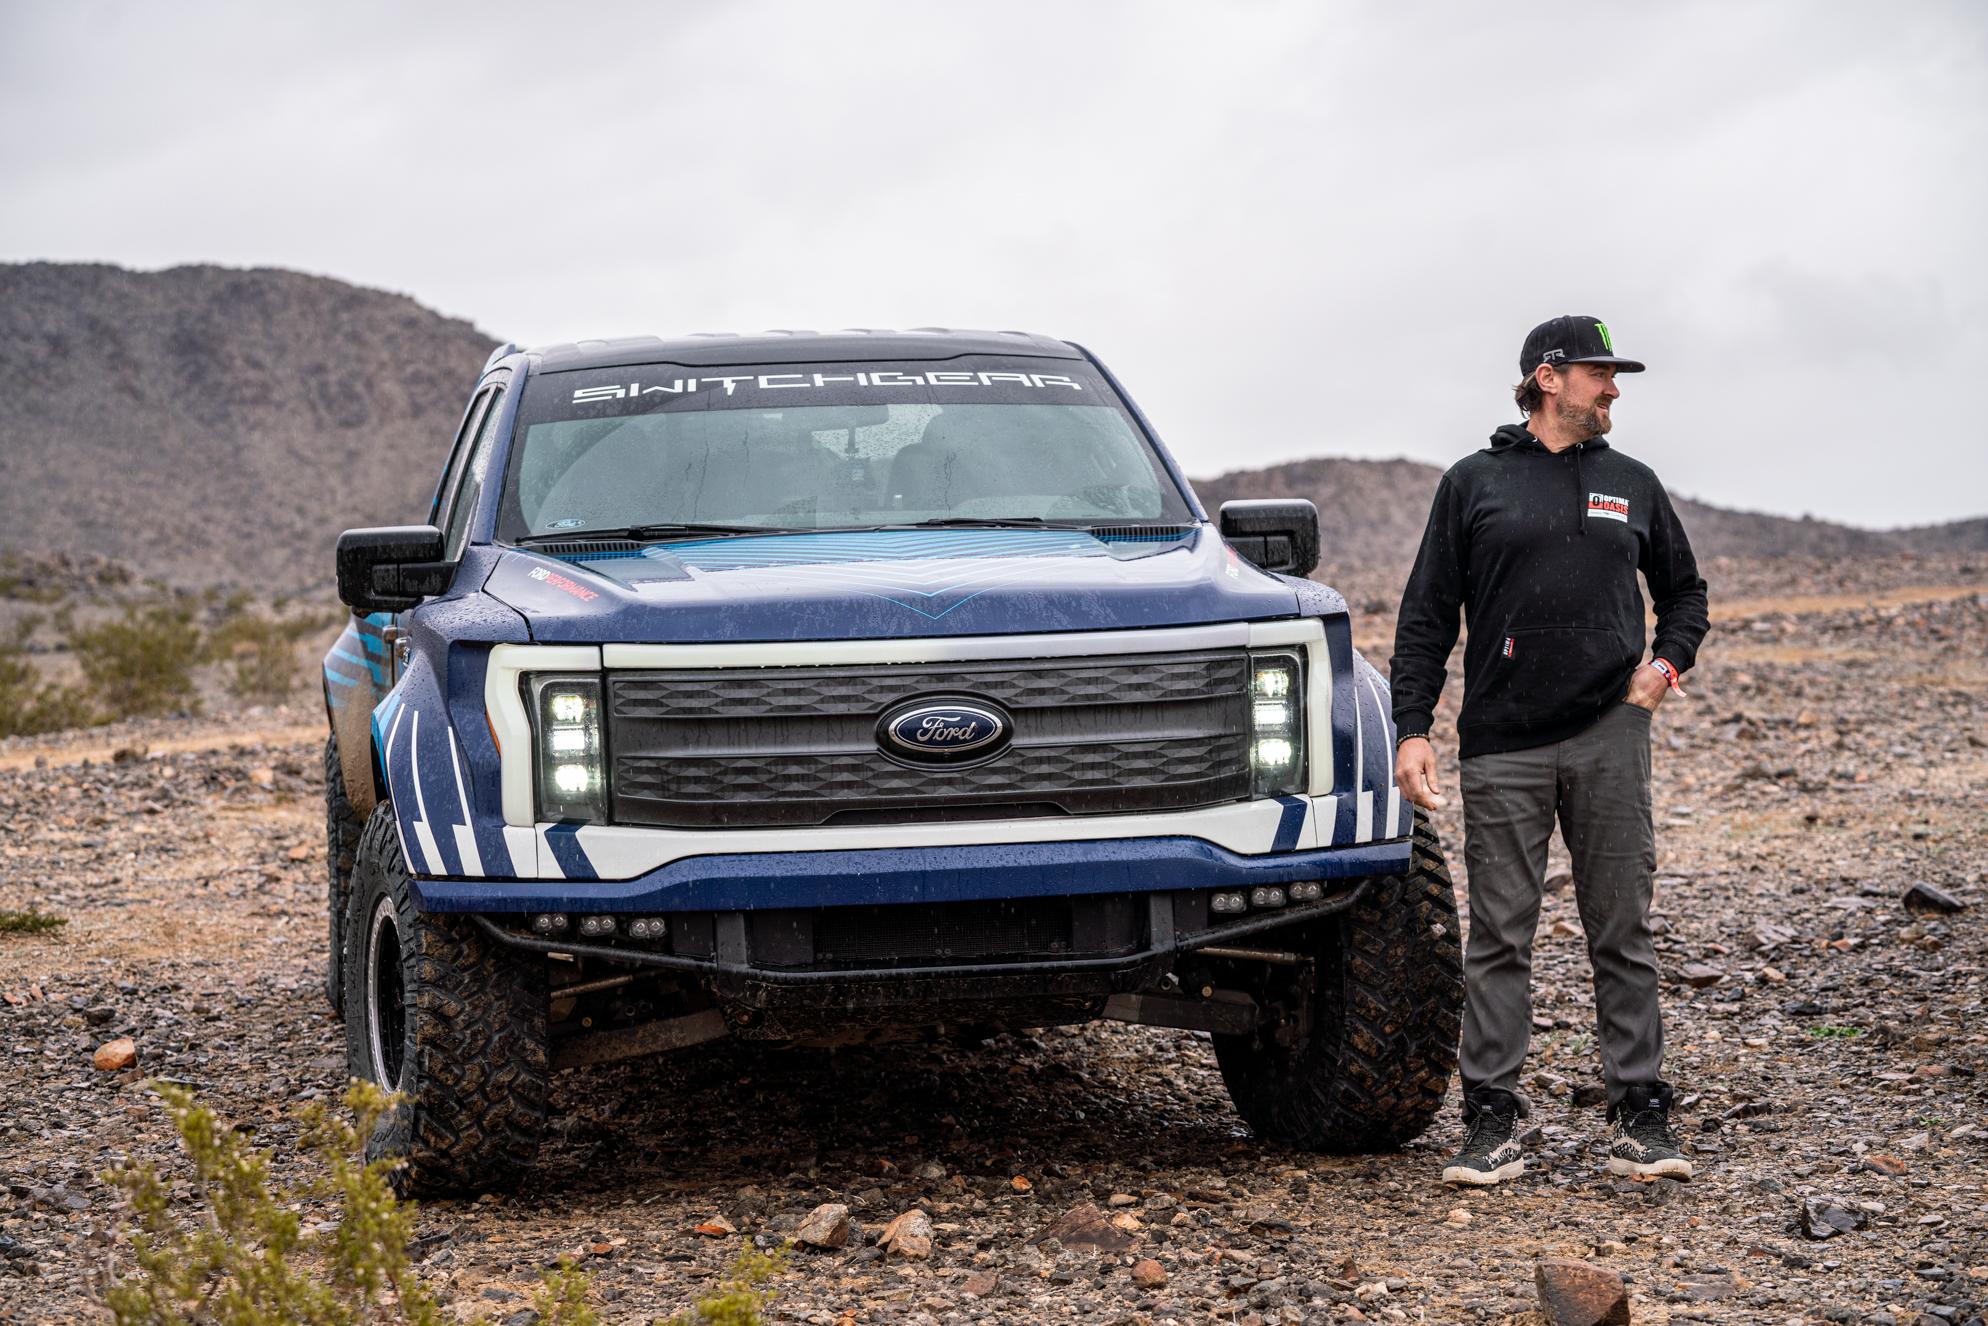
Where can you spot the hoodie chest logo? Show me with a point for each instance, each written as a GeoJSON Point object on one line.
{"type": "Point", "coordinates": [1608, 507]}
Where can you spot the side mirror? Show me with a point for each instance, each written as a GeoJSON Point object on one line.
{"type": "Point", "coordinates": [392, 568]}
{"type": "Point", "coordinates": [1277, 534]}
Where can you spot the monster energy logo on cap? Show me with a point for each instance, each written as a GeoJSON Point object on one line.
{"type": "Point", "coordinates": [1572, 340]}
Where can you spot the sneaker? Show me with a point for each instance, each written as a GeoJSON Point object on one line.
{"type": "Point", "coordinates": [1491, 1152]}
{"type": "Point", "coordinates": [1643, 1146]}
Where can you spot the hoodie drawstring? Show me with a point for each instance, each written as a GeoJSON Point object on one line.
{"type": "Point", "coordinates": [1580, 490]}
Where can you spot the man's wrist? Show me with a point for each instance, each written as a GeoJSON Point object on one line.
{"type": "Point", "coordinates": [1410, 736]}
{"type": "Point", "coordinates": [1670, 672]}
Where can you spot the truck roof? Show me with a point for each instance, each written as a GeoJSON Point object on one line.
{"type": "Point", "coordinates": [791, 347]}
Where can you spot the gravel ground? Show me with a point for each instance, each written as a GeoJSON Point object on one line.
{"type": "Point", "coordinates": [1828, 1043]}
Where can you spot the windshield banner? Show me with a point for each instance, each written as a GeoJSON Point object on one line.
{"type": "Point", "coordinates": [642, 388]}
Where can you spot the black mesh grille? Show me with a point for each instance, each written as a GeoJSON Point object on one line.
{"type": "Point", "coordinates": [864, 936]}
{"type": "Point", "coordinates": [767, 693]}
{"type": "Point", "coordinates": [783, 746]}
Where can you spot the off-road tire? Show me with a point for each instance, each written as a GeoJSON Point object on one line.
{"type": "Point", "coordinates": [342, 829]}
{"type": "Point", "coordinates": [1385, 1005]}
{"type": "Point", "coordinates": [472, 1059]}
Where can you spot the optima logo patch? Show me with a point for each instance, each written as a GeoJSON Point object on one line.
{"type": "Point", "coordinates": [1608, 507]}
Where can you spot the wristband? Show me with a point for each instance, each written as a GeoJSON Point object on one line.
{"type": "Point", "coordinates": [1410, 736]}
{"type": "Point", "coordinates": [1664, 666]}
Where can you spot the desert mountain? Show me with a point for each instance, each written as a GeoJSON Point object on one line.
{"type": "Point", "coordinates": [211, 425]}
{"type": "Point", "coordinates": [1371, 514]}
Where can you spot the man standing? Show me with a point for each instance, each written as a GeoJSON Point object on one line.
{"type": "Point", "coordinates": [1539, 539]}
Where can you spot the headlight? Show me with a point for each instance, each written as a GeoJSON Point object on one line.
{"type": "Point", "coordinates": [572, 762]}
{"type": "Point", "coordinates": [1277, 723]}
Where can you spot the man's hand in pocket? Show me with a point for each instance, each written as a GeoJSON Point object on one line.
{"type": "Point", "coordinates": [1647, 687]}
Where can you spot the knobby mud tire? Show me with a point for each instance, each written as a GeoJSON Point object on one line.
{"type": "Point", "coordinates": [1385, 1011]}
{"type": "Point", "coordinates": [342, 830]}
{"type": "Point", "coordinates": [476, 1080]}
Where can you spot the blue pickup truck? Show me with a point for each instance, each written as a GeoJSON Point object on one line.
{"type": "Point", "coordinates": [825, 688]}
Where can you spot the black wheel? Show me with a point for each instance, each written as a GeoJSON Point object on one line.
{"type": "Point", "coordinates": [1367, 1044]}
{"type": "Point", "coordinates": [453, 1021]}
{"type": "Point", "coordinates": [342, 827]}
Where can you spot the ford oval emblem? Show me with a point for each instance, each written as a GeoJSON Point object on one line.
{"type": "Point", "coordinates": [943, 730]}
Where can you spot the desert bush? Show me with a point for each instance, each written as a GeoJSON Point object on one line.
{"type": "Point", "coordinates": [246, 1259]}
{"type": "Point", "coordinates": [27, 703]}
{"type": "Point", "coordinates": [257, 653]}
{"type": "Point", "coordinates": [142, 662]}
{"type": "Point", "coordinates": [741, 1297]}
{"type": "Point", "coordinates": [33, 921]}
{"type": "Point", "coordinates": [22, 579]}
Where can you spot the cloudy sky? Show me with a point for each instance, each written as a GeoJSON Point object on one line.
{"type": "Point", "coordinates": [1292, 229]}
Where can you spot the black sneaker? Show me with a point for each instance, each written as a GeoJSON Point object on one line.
{"type": "Point", "coordinates": [1643, 1147]}
{"type": "Point", "coordinates": [1491, 1152]}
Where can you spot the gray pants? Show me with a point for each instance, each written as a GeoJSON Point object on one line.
{"type": "Point", "coordinates": [1598, 785]}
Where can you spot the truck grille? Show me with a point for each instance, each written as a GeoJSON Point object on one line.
{"type": "Point", "coordinates": [796, 746]}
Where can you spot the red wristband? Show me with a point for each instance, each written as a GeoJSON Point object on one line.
{"type": "Point", "coordinates": [1669, 670]}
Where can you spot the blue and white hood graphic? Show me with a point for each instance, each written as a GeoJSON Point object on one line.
{"type": "Point", "coordinates": [885, 584]}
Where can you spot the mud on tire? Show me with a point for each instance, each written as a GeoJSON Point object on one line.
{"type": "Point", "coordinates": [1384, 1009]}
{"type": "Point", "coordinates": [456, 1022]}
{"type": "Point", "coordinates": [342, 829]}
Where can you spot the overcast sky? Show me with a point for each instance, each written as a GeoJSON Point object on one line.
{"type": "Point", "coordinates": [1292, 229]}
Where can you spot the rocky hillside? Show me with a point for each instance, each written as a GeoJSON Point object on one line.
{"type": "Point", "coordinates": [204, 424]}
{"type": "Point", "coordinates": [1371, 514]}
{"type": "Point", "coordinates": [208, 426]}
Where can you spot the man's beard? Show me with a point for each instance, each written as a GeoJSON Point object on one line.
{"type": "Point", "coordinates": [1588, 421]}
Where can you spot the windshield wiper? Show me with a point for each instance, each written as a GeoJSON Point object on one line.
{"type": "Point", "coordinates": [641, 532]}
{"type": "Point", "coordinates": [993, 522]}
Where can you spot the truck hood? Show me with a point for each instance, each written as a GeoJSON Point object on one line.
{"type": "Point", "coordinates": [884, 584]}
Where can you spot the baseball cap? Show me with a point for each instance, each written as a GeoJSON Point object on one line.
{"type": "Point", "coordinates": [1573, 339]}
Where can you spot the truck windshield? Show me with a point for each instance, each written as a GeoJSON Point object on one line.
{"type": "Point", "coordinates": [830, 446]}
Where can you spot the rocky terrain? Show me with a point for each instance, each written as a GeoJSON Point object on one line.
{"type": "Point", "coordinates": [1819, 800]}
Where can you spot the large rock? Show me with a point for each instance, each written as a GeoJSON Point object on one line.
{"type": "Point", "coordinates": [116, 1056]}
{"type": "Point", "coordinates": [1826, 1217]}
{"type": "Point", "coordinates": [909, 1235]}
{"type": "Point", "coordinates": [1925, 897]}
{"type": "Point", "coordinates": [1574, 1293]}
{"type": "Point", "coordinates": [1698, 975]}
{"type": "Point", "coordinates": [827, 1226]}
{"type": "Point", "coordinates": [1084, 1225]}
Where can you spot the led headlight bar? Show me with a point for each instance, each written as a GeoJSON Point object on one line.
{"type": "Point", "coordinates": [1277, 723]}
{"type": "Point", "coordinates": [572, 760]}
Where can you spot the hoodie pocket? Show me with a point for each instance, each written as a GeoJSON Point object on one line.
{"type": "Point", "coordinates": [1544, 672]}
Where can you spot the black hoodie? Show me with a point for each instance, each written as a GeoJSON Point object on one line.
{"type": "Point", "coordinates": [1541, 551]}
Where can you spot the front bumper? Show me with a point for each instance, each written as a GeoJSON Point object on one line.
{"type": "Point", "coordinates": [750, 881]}
{"type": "Point", "coordinates": [757, 956]}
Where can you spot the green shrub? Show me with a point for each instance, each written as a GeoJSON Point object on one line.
{"type": "Point", "coordinates": [258, 654]}
{"type": "Point", "coordinates": [141, 663]}
{"type": "Point", "coordinates": [741, 1297]}
{"type": "Point", "coordinates": [33, 921]}
{"type": "Point", "coordinates": [21, 579]}
{"type": "Point", "coordinates": [246, 1260]}
{"type": "Point", "coordinates": [28, 704]}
